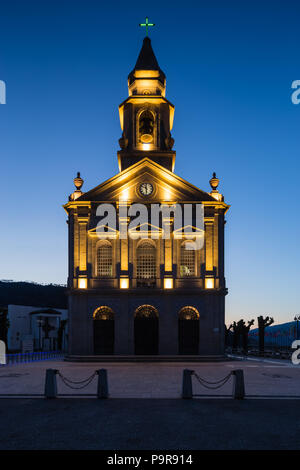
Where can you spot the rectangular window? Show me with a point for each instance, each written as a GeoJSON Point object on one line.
{"type": "Point", "coordinates": [187, 262]}
{"type": "Point", "coordinates": [104, 261]}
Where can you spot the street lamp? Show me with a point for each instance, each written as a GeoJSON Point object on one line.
{"type": "Point", "coordinates": [40, 322]}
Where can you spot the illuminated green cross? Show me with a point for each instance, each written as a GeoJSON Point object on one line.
{"type": "Point", "coordinates": [147, 24]}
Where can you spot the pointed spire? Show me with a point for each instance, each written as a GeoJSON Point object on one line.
{"type": "Point", "coordinates": [146, 59]}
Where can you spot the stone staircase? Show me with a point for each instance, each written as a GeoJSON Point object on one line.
{"type": "Point", "coordinates": [154, 358]}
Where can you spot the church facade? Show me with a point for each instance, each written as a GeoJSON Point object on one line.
{"type": "Point", "coordinates": [139, 286]}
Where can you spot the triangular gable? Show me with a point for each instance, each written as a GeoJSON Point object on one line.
{"type": "Point", "coordinates": [103, 231]}
{"type": "Point", "coordinates": [164, 180]}
{"type": "Point", "coordinates": [145, 230]}
{"type": "Point", "coordinates": [188, 231]}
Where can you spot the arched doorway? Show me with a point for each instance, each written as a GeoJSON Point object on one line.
{"type": "Point", "coordinates": [146, 330]}
{"type": "Point", "coordinates": [104, 330]}
{"type": "Point", "coordinates": [188, 330]}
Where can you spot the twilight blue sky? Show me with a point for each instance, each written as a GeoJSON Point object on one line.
{"type": "Point", "coordinates": [229, 68]}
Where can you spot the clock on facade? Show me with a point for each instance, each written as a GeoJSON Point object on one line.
{"type": "Point", "coordinates": [146, 189]}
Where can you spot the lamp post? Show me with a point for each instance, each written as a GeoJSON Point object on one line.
{"type": "Point", "coordinates": [297, 318]}
{"type": "Point", "coordinates": [40, 323]}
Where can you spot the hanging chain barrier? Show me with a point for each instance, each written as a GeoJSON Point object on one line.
{"type": "Point", "coordinates": [76, 385]}
{"type": "Point", "coordinates": [51, 383]}
{"type": "Point", "coordinates": [212, 385]}
{"type": "Point", "coordinates": [238, 391]}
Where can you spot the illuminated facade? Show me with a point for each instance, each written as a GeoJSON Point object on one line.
{"type": "Point", "coordinates": [145, 294]}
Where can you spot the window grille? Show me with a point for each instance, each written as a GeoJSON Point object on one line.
{"type": "Point", "coordinates": [188, 313]}
{"type": "Point", "coordinates": [146, 311]}
{"type": "Point", "coordinates": [103, 313]}
{"type": "Point", "coordinates": [187, 260]}
{"type": "Point", "coordinates": [146, 261]}
{"type": "Point", "coordinates": [104, 260]}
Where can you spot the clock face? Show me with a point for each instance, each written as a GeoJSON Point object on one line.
{"type": "Point", "coordinates": [146, 189]}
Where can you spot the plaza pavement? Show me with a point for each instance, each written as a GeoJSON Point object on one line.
{"type": "Point", "coordinates": [263, 377]}
{"type": "Point", "coordinates": [149, 424]}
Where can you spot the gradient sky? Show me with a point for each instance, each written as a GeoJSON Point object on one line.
{"type": "Point", "coordinates": [229, 68]}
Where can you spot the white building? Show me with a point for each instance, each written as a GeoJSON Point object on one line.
{"type": "Point", "coordinates": [37, 328]}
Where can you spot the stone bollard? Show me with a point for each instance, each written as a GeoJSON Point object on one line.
{"type": "Point", "coordinates": [50, 383]}
{"type": "Point", "coordinates": [102, 388]}
{"type": "Point", "coordinates": [238, 392]}
{"type": "Point", "coordinates": [187, 387]}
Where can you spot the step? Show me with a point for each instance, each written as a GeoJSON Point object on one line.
{"type": "Point", "coordinates": [133, 358]}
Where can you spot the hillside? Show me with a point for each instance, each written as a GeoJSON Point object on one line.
{"type": "Point", "coordinates": [30, 293]}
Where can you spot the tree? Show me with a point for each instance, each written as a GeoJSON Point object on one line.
{"type": "Point", "coordinates": [236, 333]}
{"type": "Point", "coordinates": [244, 331]}
{"type": "Point", "coordinates": [262, 325]}
{"type": "Point", "coordinates": [240, 330]}
{"type": "Point", "coordinates": [227, 333]}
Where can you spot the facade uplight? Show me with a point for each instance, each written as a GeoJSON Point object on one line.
{"type": "Point", "coordinates": [82, 283]}
{"type": "Point", "coordinates": [124, 283]}
{"type": "Point", "coordinates": [168, 283]}
{"type": "Point", "coordinates": [209, 283]}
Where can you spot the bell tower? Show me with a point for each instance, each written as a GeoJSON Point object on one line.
{"type": "Point", "coordinates": [146, 116]}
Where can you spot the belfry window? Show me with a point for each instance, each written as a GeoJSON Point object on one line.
{"type": "Point", "coordinates": [146, 127]}
{"type": "Point", "coordinates": [146, 260]}
{"type": "Point", "coordinates": [187, 259]}
{"type": "Point", "coordinates": [104, 259]}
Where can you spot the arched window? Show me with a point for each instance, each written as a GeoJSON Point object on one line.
{"type": "Point", "coordinates": [146, 260]}
{"type": "Point", "coordinates": [188, 313]}
{"type": "Point", "coordinates": [103, 313]}
{"type": "Point", "coordinates": [187, 259]}
{"type": "Point", "coordinates": [146, 127]}
{"type": "Point", "coordinates": [104, 259]}
{"type": "Point", "coordinates": [146, 311]}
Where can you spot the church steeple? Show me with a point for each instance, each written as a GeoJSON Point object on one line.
{"type": "Point", "coordinates": [147, 77]}
{"type": "Point", "coordinates": [146, 116]}
{"type": "Point", "coordinates": [146, 61]}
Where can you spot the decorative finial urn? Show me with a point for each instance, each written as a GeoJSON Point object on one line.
{"type": "Point", "coordinates": [214, 182]}
{"type": "Point", "coordinates": [78, 181]}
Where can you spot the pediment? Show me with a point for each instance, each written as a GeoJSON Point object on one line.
{"type": "Point", "coordinates": [145, 230]}
{"type": "Point", "coordinates": [103, 231]}
{"type": "Point", "coordinates": [167, 186]}
{"type": "Point", "coordinates": [188, 231]}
